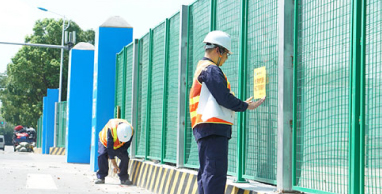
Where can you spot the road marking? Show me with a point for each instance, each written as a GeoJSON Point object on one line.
{"type": "Point", "coordinates": [40, 181]}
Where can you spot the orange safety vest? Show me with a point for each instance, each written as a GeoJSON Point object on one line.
{"type": "Point", "coordinates": [112, 125]}
{"type": "Point", "coordinates": [195, 95]}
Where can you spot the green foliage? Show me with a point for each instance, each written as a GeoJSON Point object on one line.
{"type": "Point", "coordinates": [35, 69]}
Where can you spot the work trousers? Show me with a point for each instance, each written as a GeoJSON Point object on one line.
{"type": "Point", "coordinates": [103, 162]}
{"type": "Point", "coordinates": [213, 159]}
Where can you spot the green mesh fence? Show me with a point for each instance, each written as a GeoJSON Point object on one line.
{"type": "Point", "coordinates": [373, 98]}
{"type": "Point", "coordinates": [156, 108]}
{"type": "Point", "coordinates": [39, 132]}
{"type": "Point", "coordinates": [119, 82]}
{"type": "Point", "coordinates": [129, 56]}
{"type": "Point", "coordinates": [322, 95]}
{"type": "Point", "coordinates": [142, 95]}
{"type": "Point", "coordinates": [199, 25]}
{"type": "Point", "coordinates": [172, 91]}
{"type": "Point", "coordinates": [228, 20]}
{"type": "Point", "coordinates": [261, 130]}
{"type": "Point", "coordinates": [321, 98]}
{"type": "Point", "coordinates": [61, 123]}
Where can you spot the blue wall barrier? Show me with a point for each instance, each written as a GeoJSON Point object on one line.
{"type": "Point", "coordinates": [79, 112]}
{"type": "Point", "coordinates": [48, 119]}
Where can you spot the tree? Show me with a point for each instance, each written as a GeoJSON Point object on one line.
{"type": "Point", "coordinates": [33, 70]}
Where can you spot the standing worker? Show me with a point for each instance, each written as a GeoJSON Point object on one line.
{"type": "Point", "coordinates": [212, 107]}
{"type": "Point", "coordinates": [114, 140]}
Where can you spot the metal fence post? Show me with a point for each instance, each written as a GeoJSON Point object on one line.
{"type": "Point", "coordinates": [56, 112]}
{"type": "Point", "coordinates": [213, 15]}
{"type": "Point", "coordinates": [123, 105]}
{"type": "Point", "coordinates": [356, 170]}
{"type": "Point", "coordinates": [117, 63]}
{"type": "Point", "coordinates": [182, 84]}
{"type": "Point", "coordinates": [241, 86]}
{"type": "Point", "coordinates": [363, 96]}
{"type": "Point", "coordinates": [285, 95]}
{"type": "Point", "coordinates": [134, 99]}
{"type": "Point", "coordinates": [148, 106]}
{"type": "Point", "coordinates": [295, 48]}
{"type": "Point", "coordinates": [165, 85]}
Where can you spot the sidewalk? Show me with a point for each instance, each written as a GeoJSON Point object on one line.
{"type": "Point", "coordinates": [24, 172]}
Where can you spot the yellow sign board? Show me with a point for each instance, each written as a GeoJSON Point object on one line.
{"type": "Point", "coordinates": [259, 82]}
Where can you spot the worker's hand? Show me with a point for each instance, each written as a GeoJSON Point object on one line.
{"type": "Point", "coordinates": [115, 166]}
{"type": "Point", "coordinates": [116, 169]}
{"type": "Point", "coordinates": [249, 99]}
{"type": "Point", "coordinates": [253, 105]}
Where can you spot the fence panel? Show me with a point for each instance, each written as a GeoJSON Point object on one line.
{"type": "Point", "coordinates": [172, 91]}
{"type": "Point", "coordinates": [129, 56]}
{"type": "Point", "coordinates": [261, 129]}
{"type": "Point", "coordinates": [119, 82]}
{"type": "Point", "coordinates": [142, 95]}
{"type": "Point", "coordinates": [61, 123]}
{"type": "Point", "coordinates": [373, 98]}
{"type": "Point", "coordinates": [199, 26]}
{"type": "Point", "coordinates": [322, 96]}
{"type": "Point", "coordinates": [228, 20]}
{"type": "Point", "coordinates": [39, 132]}
{"type": "Point", "coordinates": [157, 75]}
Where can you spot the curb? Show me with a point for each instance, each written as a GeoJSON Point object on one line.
{"type": "Point", "coordinates": [56, 151]}
{"type": "Point", "coordinates": [170, 180]}
{"type": "Point", "coordinates": [146, 175]}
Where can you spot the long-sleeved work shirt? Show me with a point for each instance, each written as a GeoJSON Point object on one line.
{"type": "Point", "coordinates": [215, 80]}
{"type": "Point", "coordinates": [110, 145]}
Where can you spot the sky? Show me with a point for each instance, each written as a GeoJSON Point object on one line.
{"type": "Point", "coordinates": [17, 17]}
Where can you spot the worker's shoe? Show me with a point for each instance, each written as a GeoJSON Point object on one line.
{"type": "Point", "coordinates": [99, 181]}
{"type": "Point", "coordinates": [126, 182]}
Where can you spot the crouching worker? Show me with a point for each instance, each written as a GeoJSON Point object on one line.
{"type": "Point", "coordinates": [114, 140]}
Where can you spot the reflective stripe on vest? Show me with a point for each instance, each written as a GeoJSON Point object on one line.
{"type": "Point", "coordinates": [112, 125]}
{"type": "Point", "coordinates": [195, 95]}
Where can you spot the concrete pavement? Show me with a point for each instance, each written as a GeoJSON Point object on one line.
{"type": "Point", "coordinates": [22, 172]}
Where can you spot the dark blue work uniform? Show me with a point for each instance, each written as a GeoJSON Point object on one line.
{"type": "Point", "coordinates": [109, 152]}
{"type": "Point", "coordinates": [212, 139]}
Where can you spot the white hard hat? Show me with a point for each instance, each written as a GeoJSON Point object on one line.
{"type": "Point", "coordinates": [219, 38]}
{"type": "Point", "coordinates": [124, 132]}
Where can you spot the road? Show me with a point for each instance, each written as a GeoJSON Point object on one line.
{"type": "Point", "coordinates": [29, 173]}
